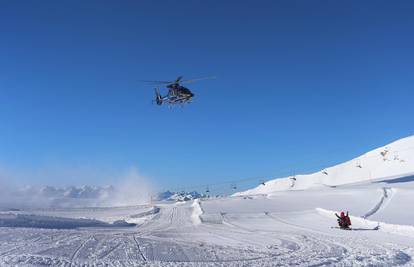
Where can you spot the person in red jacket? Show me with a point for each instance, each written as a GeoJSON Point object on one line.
{"type": "Point", "coordinates": [344, 221]}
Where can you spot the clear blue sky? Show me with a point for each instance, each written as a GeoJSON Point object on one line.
{"type": "Point", "coordinates": [301, 84]}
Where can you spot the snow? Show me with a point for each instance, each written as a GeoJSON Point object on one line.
{"type": "Point", "coordinates": [364, 224]}
{"type": "Point", "coordinates": [257, 231]}
{"type": "Point", "coordinates": [387, 162]}
{"type": "Point", "coordinates": [181, 196]}
{"type": "Point", "coordinates": [272, 225]}
{"type": "Point", "coordinates": [38, 221]}
{"type": "Point", "coordinates": [197, 212]}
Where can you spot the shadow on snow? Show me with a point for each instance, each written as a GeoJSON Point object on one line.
{"type": "Point", "coordinates": [398, 180]}
{"type": "Point", "coordinates": [49, 222]}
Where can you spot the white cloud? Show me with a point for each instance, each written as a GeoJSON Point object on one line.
{"type": "Point", "coordinates": [128, 188]}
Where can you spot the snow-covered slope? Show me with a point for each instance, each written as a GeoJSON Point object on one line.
{"type": "Point", "coordinates": [390, 161]}
{"type": "Point", "coordinates": [284, 228]}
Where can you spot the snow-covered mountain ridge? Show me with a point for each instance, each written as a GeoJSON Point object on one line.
{"type": "Point", "coordinates": [71, 196]}
{"type": "Point", "coordinates": [387, 162]}
{"type": "Point", "coordinates": [69, 191]}
{"type": "Point", "coordinates": [178, 196]}
{"type": "Point", "coordinates": [85, 196]}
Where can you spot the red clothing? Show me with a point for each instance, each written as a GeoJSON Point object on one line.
{"type": "Point", "coordinates": [344, 221]}
{"type": "Point", "coordinates": [348, 220]}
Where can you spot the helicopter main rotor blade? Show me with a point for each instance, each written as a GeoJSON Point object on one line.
{"type": "Point", "coordinates": [157, 82]}
{"type": "Point", "coordinates": [199, 79]}
{"type": "Point", "coordinates": [178, 80]}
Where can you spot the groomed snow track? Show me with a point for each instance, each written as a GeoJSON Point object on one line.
{"type": "Point", "coordinates": [171, 239]}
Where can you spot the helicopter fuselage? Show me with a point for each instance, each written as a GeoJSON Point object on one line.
{"type": "Point", "coordinates": [176, 90]}
{"type": "Point", "coordinates": [177, 94]}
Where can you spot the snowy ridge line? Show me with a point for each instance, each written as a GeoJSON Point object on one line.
{"type": "Point", "coordinates": [393, 160]}
{"type": "Point", "coordinates": [398, 229]}
{"type": "Point", "coordinates": [154, 210]}
{"type": "Point", "coordinates": [288, 173]}
{"type": "Point", "coordinates": [385, 199]}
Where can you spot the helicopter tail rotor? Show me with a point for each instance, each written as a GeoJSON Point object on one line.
{"type": "Point", "coordinates": [158, 97]}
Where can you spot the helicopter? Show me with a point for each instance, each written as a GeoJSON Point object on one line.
{"type": "Point", "coordinates": [177, 94]}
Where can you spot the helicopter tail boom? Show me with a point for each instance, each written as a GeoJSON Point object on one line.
{"type": "Point", "coordinates": [158, 97]}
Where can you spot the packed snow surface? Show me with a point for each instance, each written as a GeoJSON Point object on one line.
{"type": "Point", "coordinates": [289, 228]}
{"type": "Point", "coordinates": [271, 228]}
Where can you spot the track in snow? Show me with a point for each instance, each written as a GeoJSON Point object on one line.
{"type": "Point", "coordinates": [170, 239]}
{"type": "Point", "coordinates": [139, 249]}
{"type": "Point", "coordinates": [384, 200]}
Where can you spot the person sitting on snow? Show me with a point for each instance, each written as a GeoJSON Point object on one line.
{"type": "Point", "coordinates": [344, 221]}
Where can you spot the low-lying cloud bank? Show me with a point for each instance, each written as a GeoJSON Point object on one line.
{"type": "Point", "coordinates": [131, 189]}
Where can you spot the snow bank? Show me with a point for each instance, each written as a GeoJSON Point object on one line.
{"type": "Point", "coordinates": [197, 212]}
{"type": "Point", "coordinates": [359, 223]}
{"type": "Point", "coordinates": [48, 222]}
{"type": "Point", "coordinates": [388, 162]}
{"type": "Point", "coordinates": [151, 211]}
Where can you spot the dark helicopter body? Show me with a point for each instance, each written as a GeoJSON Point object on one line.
{"type": "Point", "coordinates": [177, 94]}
